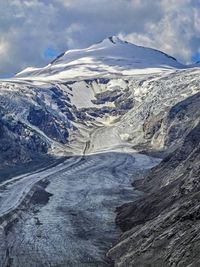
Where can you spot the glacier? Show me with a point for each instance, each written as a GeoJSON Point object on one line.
{"type": "Point", "coordinates": [96, 111]}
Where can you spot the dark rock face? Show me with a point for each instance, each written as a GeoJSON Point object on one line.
{"type": "Point", "coordinates": [172, 125]}
{"type": "Point", "coordinates": [162, 227]}
{"type": "Point", "coordinates": [182, 118]}
{"type": "Point", "coordinates": [18, 143]}
{"type": "Point", "coordinates": [47, 118]}
{"type": "Point", "coordinates": [107, 96]}
{"type": "Point", "coordinates": [46, 123]}
{"type": "Point", "coordinates": [28, 123]}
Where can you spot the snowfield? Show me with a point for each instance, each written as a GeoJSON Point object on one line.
{"type": "Point", "coordinates": [111, 57]}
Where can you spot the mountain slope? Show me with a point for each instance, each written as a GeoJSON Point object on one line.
{"type": "Point", "coordinates": [111, 97]}
{"type": "Point", "coordinates": [60, 110]}
{"type": "Point", "coordinates": [162, 227]}
{"type": "Point", "coordinates": [111, 57]}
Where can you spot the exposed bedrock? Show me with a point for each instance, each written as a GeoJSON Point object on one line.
{"type": "Point", "coordinates": [18, 142]}
{"type": "Point", "coordinates": [44, 121]}
{"type": "Point", "coordinates": [162, 227]}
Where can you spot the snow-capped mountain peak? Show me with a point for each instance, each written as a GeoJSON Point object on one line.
{"type": "Point", "coordinates": [108, 58]}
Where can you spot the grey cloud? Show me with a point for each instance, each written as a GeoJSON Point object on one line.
{"type": "Point", "coordinates": [28, 27]}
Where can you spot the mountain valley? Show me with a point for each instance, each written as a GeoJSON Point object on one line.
{"type": "Point", "coordinates": [111, 127]}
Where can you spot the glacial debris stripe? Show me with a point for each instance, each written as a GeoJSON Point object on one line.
{"type": "Point", "coordinates": [72, 132]}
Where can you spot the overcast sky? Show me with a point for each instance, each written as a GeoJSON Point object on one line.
{"type": "Point", "coordinates": [32, 32]}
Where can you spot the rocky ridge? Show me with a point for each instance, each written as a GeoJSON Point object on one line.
{"type": "Point", "coordinates": [161, 228]}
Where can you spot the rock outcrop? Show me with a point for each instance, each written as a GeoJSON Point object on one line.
{"type": "Point", "coordinates": [18, 142]}
{"type": "Point", "coordinates": [162, 227]}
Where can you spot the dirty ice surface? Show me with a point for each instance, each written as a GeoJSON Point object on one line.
{"type": "Point", "coordinates": [75, 225]}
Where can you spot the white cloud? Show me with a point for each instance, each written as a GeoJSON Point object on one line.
{"type": "Point", "coordinates": [176, 33]}
{"type": "Point", "coordinates": [3, 48]}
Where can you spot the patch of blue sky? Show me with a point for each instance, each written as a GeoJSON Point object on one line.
{"type": "Point", "coordinates": [50, 53]}
{"type": "Point", "coordinates": [196, 57]}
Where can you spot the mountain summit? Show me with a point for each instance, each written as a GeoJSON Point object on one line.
{"type": "Point", "coordinates": [108, 58]}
